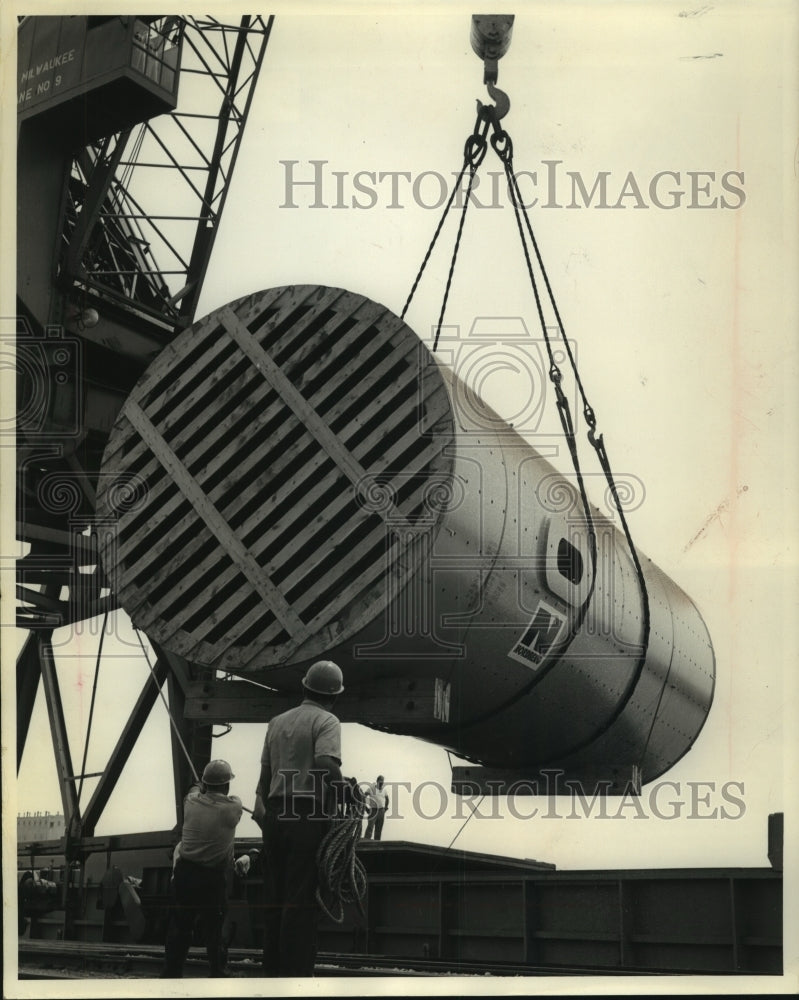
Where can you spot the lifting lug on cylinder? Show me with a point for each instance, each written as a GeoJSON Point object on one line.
{"type": "Point", "coordinates": [490, 37]}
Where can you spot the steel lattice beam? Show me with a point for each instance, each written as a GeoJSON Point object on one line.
{"type": "Point", "coordinates": [133, 253]}
{"type": "Point", "coordinates": [122, 751]}
{"type": "Point", "coordinates": [132, 222]}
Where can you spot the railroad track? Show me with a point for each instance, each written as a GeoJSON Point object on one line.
{"type": "Point", "coordinates": [53, 960]}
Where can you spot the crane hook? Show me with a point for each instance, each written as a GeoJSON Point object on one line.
{"type": "Point", "coordinates": [501, 105]}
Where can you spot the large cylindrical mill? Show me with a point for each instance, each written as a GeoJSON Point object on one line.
{"type": "Point", "coordinates": [296, 475]}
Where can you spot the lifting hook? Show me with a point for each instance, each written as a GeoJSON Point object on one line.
{"type": "Point", "coordinates": [490, 38]}
{"type": "Point", "coordinates": [499, 109]}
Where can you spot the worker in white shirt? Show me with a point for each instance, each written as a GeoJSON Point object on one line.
{"type": "Point", "coordinates": [294, 804]}
{"type": "Point", "coordinates": [377, 804]}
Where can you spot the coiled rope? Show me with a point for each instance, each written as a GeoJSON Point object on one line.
{"type": "Point", "coordinates": [342, 876]}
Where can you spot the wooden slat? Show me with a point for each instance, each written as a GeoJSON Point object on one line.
{"type": "Point", "coordinates": [203, 391]}
{"type": "Point", "coordinates": [196, 414]}
{"type": "Point", "coordinates": [429, 454]}
{"type": "Point", "coordinates": [186, 441]}
{"type": "Point", "coordinates": [172, 353]}
{"type": "Point", "coordinates": [217, 525]}
{"type": "Point", "coordinates": [341, 331]}
{"type": "Point", "coordinates": [207, 565]}
{"type": "Point", "coordinates": [436, 407]}
{"type": "Point", "coordinates": [164, 501]}
{"type": "Point", "coordinates": [324, 618]}
{"type": "Point", "coordinates": [370, 405]}
{"type": "Point", "coordinates": [170, 628]}
{"type": "Point", "coordinates": [326, 364]}
{"type": "Point", "coordinates": [229, 485]}
{"type": "Point", "coordinates": [307, 470]}
{"type": "Point", "coordinates": [297, 403]}
{"type": "Point", "coordinates": [276, 298]}
{"type": "Point", "coordinates": [122, 543]}
{"type": "Point", "coordinates": [401, 574]}
{"type": "Point", "coordinates": [203, 349]}
{"type": "Point", "coordinates": [137, 598]}
{"type": "Point", "coordinates": [152, 612]}
{"type": "Point", "coordinates": [355, 553]}
{"type": "Point", "coordinates": [158, 496]}
{"type": "Point", "coordinates": [177, 349]}
{"type": "Point", "coordinates": [350, 527]}
{"type": "Point", "coordinates": [336, 375]}
{"type": "Point", "coordinates": [371, 604]}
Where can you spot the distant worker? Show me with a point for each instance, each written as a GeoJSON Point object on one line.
{"type": "Point", "coordinates": [377, 803]}
{"type": "Point", "coordinates": [203, 862]}
{"type": "Point", "coordinates": [294, 803]}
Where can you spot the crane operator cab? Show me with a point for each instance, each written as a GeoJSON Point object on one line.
{"type": "Point", "coordinates": [94, 76]}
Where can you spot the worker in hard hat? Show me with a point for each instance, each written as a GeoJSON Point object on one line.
{"type": "Point", "coordinates": [294, 802]}
{"type": "Point", "coordinates": [203, 860]}
{"type": "Point", "coordinates": [377, 804]}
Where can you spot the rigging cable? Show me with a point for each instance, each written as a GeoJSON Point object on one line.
{"type": "Point", "coordinates": [474, 151]}
{"type": "Point", "coordinates": [597, 443]}
{"type": "Point", "coordinates": [466, 821]}
{"type": "Point", "coordinates": [172, 718]}
{"type": "Point", "coordinates": [91, 706]}
{"type": "Point", "coordinates": [166, 706]}
{"type": "Point", "coordinates": [473, 154]}
{"type": "Point", "coordinates": [503, 146]}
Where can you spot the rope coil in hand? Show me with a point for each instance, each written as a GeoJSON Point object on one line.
{"type": "Point", "coordinates": [342, 876]}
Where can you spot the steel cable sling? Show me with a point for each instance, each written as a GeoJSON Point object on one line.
{"type": "Point", "coordinates": [474, 152]}
{"type": "Point", "coordinates": [488, 117]}
{"type": "Point", "coordinates": [503, 146]}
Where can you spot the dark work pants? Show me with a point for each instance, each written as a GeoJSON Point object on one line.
{"type": "Point", "coordinates": [197, 892]}
{"type": "Point", "coordinates": [291, 912]}
{"type": "Point", "coordinates": [374, 824]}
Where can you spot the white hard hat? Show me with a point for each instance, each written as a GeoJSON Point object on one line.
{"type": "Point", "coordinates": [324, 677]}
{"type": "Point", "coordinates": [217, 772]}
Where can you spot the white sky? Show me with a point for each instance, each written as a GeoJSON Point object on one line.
{"type": "Point", "coordinates": [685, 324]}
